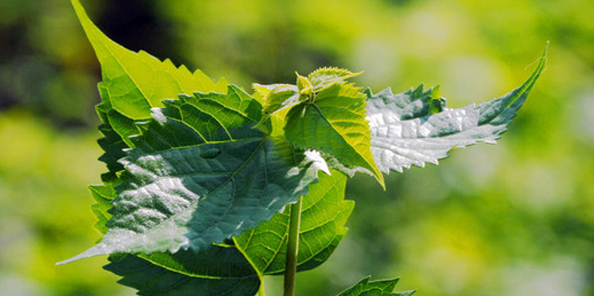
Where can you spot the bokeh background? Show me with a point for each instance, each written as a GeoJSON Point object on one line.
{"type": "Point", "coordinates": [516, 218]}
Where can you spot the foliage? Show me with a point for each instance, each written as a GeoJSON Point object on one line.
{"type": "Point", "coordinates": [208, 175]}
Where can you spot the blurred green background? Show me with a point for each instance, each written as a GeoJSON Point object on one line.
{"type": "Point", "coordinates": [516, 218]}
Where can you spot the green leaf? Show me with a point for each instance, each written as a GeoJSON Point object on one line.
{"type": "Point", "coordinates": [335, 125]}
{"type": "Point", "coordinates": [280, 97]}
{"type": "Point", "coordinates": [375, 288]}
{"type": "Point", "coordinates": [154, 280]}
{"type": "Point", "coordinates": [324, 213]}
{"type": "Point", "coordinates": [138, 81]}
{"type": "Point", "coordinates": [103, 195]}
{"type": "Point", "coordinates": [328, 76]}
{"type": "Point", "coordinates": [323, 216]}
{"type": "Point", "coordinates": [415, 127]}
{"type": "Point", "coordinates": [199, 174]}
{"type": "Point", "coordinates": [132, 84]}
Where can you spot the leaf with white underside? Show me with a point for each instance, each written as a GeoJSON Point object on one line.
{"type": "Point", "coordinates": [200, 174]}
{"type": "Point", "coordinates": [365, 287]}
{"type": "Point", "coordinates": [334, 123]}
{"type": "Point", "coordinates": [415, 127]}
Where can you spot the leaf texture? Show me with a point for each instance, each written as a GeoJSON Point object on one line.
{"type": "Point", "coordinates": [323, 216]}
{"type": "Point", "coordinates": [132, 84]}
{"type": "Point", "coordinates": [335, 125]}
{"type": "Point", "coordinates": [200, 174]}
{"type": "Point", "coordinates": [415, 127]}
{"type": "Point", "coordinates": [153, 280]}
{"type": "Point", "coordinates": [365, 287]}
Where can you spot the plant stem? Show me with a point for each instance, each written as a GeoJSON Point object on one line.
{"type": "Point", "coordinates": [261, 290]}
{"type": "Point", "coordinates": [292, 249]}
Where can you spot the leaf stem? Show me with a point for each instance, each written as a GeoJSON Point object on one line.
{"type": "Point", "coordinates": [292, 249]}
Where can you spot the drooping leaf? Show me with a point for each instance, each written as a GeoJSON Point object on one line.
{"type": "Point", "coordinates": [200, 174]}
{"type": "Point", "coordinates": [365, 287]}
{"type": "Point", "coordinates": [323, 216]}
{"type": "Point", "coordinates": [153, 280]}
{"type": "Point", "coordinates": [415, 127]}
{"type": "Point", "coordinates": [334, 124]}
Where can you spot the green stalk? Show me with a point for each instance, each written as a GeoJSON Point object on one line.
{"type": "Point", "coordinates": [292, 249]}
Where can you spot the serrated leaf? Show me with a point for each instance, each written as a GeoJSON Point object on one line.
{"type": "Point", "coordinates": [415, 127]}
{"type": "Point", "coordinates": [103, 195]}
{"type": "Point", "coordinates": [323, 216]}
{"type": "Point", "coordinates": [335, 125]}
{"type": "Point", "coordinates": [365, 287]}
{"type": "Point", "coordinates": [132, 84]}
{"type": "Point", "coordinates": [139, 81]}
{"type": "Point", "coordinates": [153, 280]}
{"type": "Point", "coordinates": [324, 213]}
{"type": "Point", "coordinates": [188, 184]}
{"type": "Point", "coordinates": [328, 76]}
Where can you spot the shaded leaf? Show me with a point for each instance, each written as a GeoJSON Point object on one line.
{"type": "Point", "coordinates": [415, 127]}
{"type": "Point", "coordinates": [152, 280]}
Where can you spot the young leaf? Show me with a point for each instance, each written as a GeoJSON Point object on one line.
{"type": "Point", "coordinates": [154, 280]}
{"type": "Point", "coordinates": [323, 216]}
{"type": "Point", "coordinates": [375, 288]}
{"type": "Point", "coordinates": [335, 125]}
{"type": "Point", "coordinates": [415, 127]}
{"type": "Point", "coordinates": [280, 97]}
{"type": "Point", "coordinates": [327, 76]}
{"type": "Point", "coordinates": [188, 184]}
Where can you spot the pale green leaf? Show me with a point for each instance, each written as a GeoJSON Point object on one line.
{"type": "Point", "coordinates": [415, 127]}
{"type": "Point", "coordinates": [323, 216]}
{"type": "Point", "coordinates": [365, 287]}
{"type": "Point", "coordinates": [199, 174]}
{"type": "Point", "coordinates": [132, 84]}
{"type": "Point", "coordinates": [335, 125]}
{"type": "Point", "coordinates": [328, 76]}
{"type": "Point", "coordinates": [282, 96]}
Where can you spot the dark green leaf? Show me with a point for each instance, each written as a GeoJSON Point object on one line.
{"type": "Point", "coordinates": [177, 194]}
{"type": "Point", "coordinates": [154, 280]}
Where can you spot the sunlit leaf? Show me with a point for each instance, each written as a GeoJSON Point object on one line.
{"type": "Point", "coordinates": [200, 174]}
{"type": "Point", "coordinates": [334, 124]}
{"type": "Point", "coordinates": [415, 127]}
